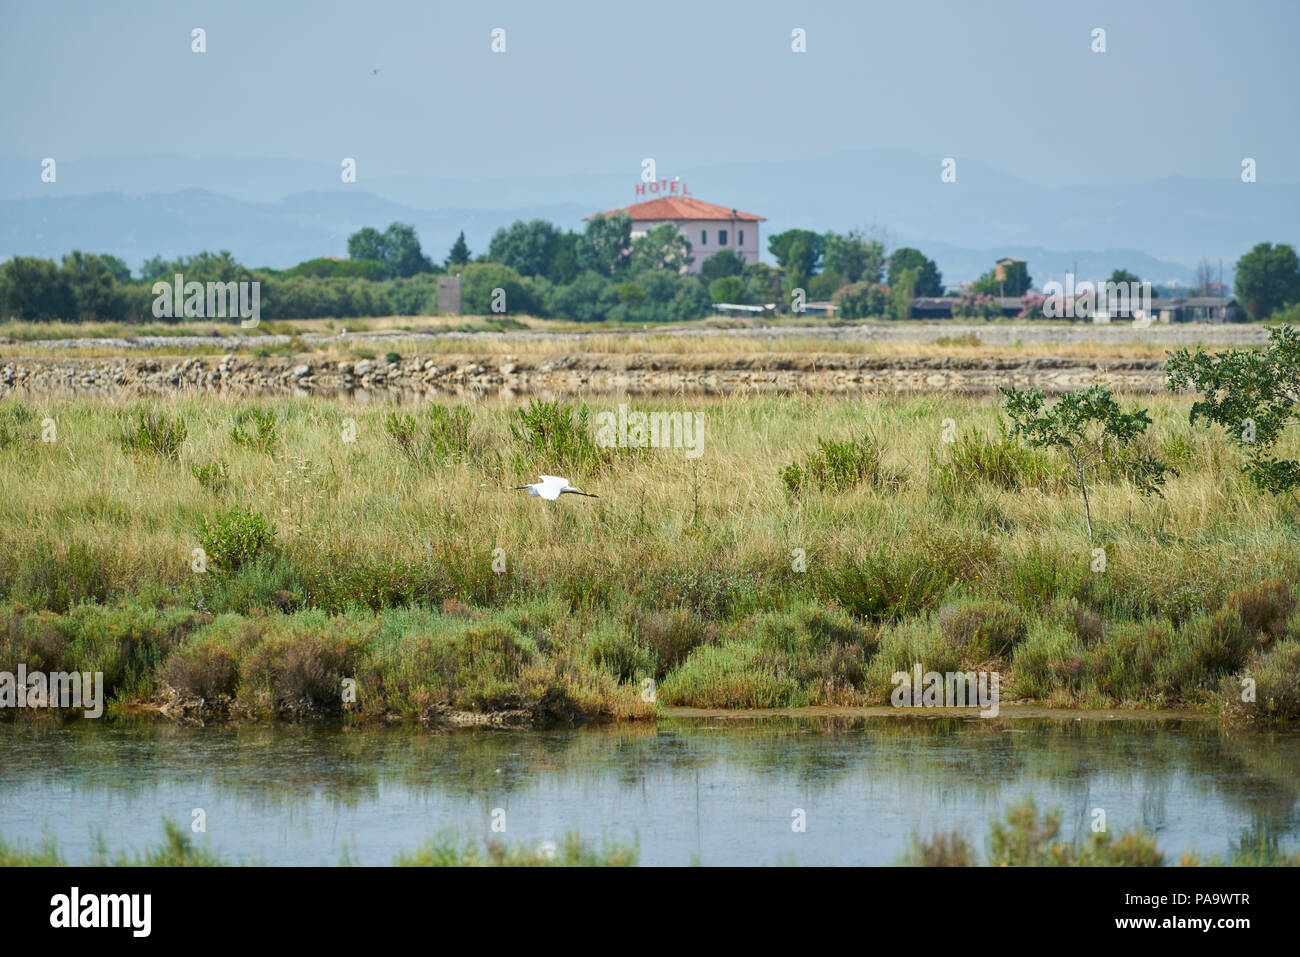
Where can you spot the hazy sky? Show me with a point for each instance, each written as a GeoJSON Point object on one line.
{"type": "Point", "coordinates": [1185, 88]}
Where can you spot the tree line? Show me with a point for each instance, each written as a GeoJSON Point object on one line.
{"type": "Point", "coordinates": [599, 274]}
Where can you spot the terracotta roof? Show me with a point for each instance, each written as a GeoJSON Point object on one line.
{"type": "Point", "coordinates": [682, 207]}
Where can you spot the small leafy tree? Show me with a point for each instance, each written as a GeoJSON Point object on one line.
{"type": "Point", "coordinates": [459, 254]}
{"type": "Point", "coordinates": [1253, 394]}
{"type": "Point", "coordinates": [1087, 426]}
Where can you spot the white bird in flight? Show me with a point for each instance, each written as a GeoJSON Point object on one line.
{"type": "Point", "coordinates": [552, 487]}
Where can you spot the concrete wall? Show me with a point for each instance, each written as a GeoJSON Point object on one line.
{"type": "Point", "coordinates": [702, 250]}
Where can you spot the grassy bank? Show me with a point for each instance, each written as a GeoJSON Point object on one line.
{"type": "Point", "coordinates": [346, 541]}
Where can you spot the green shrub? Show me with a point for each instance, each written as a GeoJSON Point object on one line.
{"type": "Point", "coordinates": [1208, 646]}
{"type": "Point", "coordinates": [205, 668]}
{"type": "Point", "coordinates": [1264, 607]}
{"type": "Point", "coordinates": [1080, 620]}
{"type": "Point", "coordinates": [990, 629]}
{"type": "Point", "coordinates": [155, 433]}
{"type": "Point", "coordinates": [730, 675]}
{"type": "Point", "coordinates": [297, 671]}
{"type": "Point", "coordinates": [255, 429]}
{"type": "Point", "coordinates": [1276, 676]}
{"type": "Point", "coordinates": [905, 644]}
{"type": "Point", "coordinates": [1050, 659]}
{"type": "Point", "coordinates": [213, 476]}
{"type": "Point", "coordinates": [550, 436]}
{"type": "Point", "coordinates": [447, 435]}
{"type": "Point", "coordinates": [671, 636]}
{"type": "Point", "coordinates": [450, 430]}
{"type": "Point", "coordinates": [1001, 463]}
{"type": "Point", "coordinates": [127, 643]}
{"type": "Point", "coordinates": [839, 466]}
{"type": "Point", "coordinates": [616, 651]}
{"type": "Point", "coordinates": [1127, 664]}
{"type": "Point", "coordinates": [483, 667]}
{"type": "Point", "coordinates": [235, 537]}
{"type": "Point", "coordinates": [824, 649]}
{"type": "Point", "coordinates": [900, 583]}
{"type": "Point", "coordinates": [57, 576]}
{"type": "Point", "coordinates": [404, 430]}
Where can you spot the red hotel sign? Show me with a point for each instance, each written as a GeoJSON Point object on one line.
{"type": "Point", "coordinates": [663, 187]}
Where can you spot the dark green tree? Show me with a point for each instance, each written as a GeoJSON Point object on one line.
{"type": "Point", "coordinates": [727, 289]}
{"type": "Point", "coordinates": [607, 243]}
{"type": "Point", "coordinates": [589, 298]}
{"type": "Point", "coordinates": [564, 266]}
{"type": "Point", "coordinates": [119, 270]}
{"type": "Point", "coordinates": [929, 282]}
{"type": "Point", "coordinates": [901, 294]}
{"type": "Point", "coordinates": [459, 254]}
{"type": "Point", "coordinates": [853, 257]}
{"type": "Point", "coordinates": [527, 248]}
{"type": "Point", "coordinates": [95, 294]}
{"type": "Point", "coordinates": [663, 247]}
{"type": "Point", "coordinates": [798, 252]}
{"type": "Point", "coordinates": [367, 243]}
{"type": "Point", "coordinates": [402, 253]}
{"type": "Point", "coordinates": [35, 289]}
{"type": "Point", "coordinates": [1268, 278]}
{"type": "Point", "coordinates": [721, 264]}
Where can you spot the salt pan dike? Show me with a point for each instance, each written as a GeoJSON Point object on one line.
{"type": "Point", "coordinates": [706, 359]}
{"type": "Point", "coordinates": [414, 378]}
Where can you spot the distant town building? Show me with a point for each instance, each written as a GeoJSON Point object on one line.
{"type": "Point", "coordinates": [709, 228]}
{"type": "Point", "coordinates": [1000, 270]}
{"type": "Point", "coordinates": [1198, 309]}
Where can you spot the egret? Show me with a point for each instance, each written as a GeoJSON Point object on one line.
{"type": "Point", "coordinates": [551, 487]}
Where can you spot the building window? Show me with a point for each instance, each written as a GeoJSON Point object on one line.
{"type": "Point", "coordinates": [740, 237]}
{"type": "Point", "coordinates": [704, 237]}
{"type": "Point", "coordinates": [722, 237]}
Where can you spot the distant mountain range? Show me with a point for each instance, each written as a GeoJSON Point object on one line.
{"type": "Point", "coordinates": [277, 212]}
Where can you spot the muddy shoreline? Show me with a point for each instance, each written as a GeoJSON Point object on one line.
{"type": "Point", "coordinates": [173, 708]}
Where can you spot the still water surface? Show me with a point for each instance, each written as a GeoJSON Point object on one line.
{"type": "Point", "coordinates": [717, 791]}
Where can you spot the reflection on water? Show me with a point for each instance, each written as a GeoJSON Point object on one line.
{"type": "Point", "coordinates": [722, 792]}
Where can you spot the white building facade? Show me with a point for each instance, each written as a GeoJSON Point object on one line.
{"type": "Point", "coordinates": [709, 228]}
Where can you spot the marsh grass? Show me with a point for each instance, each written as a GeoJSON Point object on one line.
{"type": "Point", "coordinates": [682, 570]}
